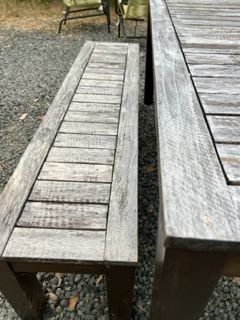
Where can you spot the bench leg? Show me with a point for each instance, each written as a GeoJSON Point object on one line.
{"type": "Point", "coordinates": [120, 282]}
{"type": "Point", "coordinates": [22, 291]}
{"type": "Point", "coordinates": [183, 284]}
{"type": "Point", "coordinates": [148, 91]}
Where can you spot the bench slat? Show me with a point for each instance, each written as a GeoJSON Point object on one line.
{"type": "Point", "coordinates": [92, 116]}
{"type": "Point", "coordinates": [81, 155]}
{"type": "Point", "coordinates": [99, 90]}
{"type": "Point", "coordinates": [102, 83]}
{"type": "Point", "coordinates": [85, 141]}
{"type": "Point", "coordinates": [194, 196]}
{"type": "Point", "coordinates": [217, 85]}
{"type": "Point", "coordinates": [89, 128]}
{"type": "Point", "coordinates": [56, 245]}
{"type": "Point", "coordinates": [94, 107]}
{"type": "Point", "coordinates": [76, 172]}
{"type": "Point", "coordinates": [63, 216]}
{"type": "Point", "coordinates": [62, 191]}
{"type": "Point", "coordinates": [122, 217]}
{"type": "Point", "coordinates": [102, 76]}
{"type": "Point", "coordinates": [105, 70]}
{"type": "Point", "coordinates": [102, 98]}
{"type": "Point", "coordinates": [17, 189]}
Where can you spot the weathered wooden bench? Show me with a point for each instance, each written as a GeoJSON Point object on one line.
{"type": "Point", "coordinates": [199, 222]}
{"type": "Point", "coordinates": [71, 204]}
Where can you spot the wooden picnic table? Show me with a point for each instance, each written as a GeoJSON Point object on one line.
{"type": "Point", "coordinates": [193, 64]}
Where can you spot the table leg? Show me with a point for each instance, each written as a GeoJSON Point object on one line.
{"type": "Point", "coordinates": [22, 291]}
{"type": "Point", "coordinates": [120, 283]}
{"type": "Point", "coordinates": [148, 93]}
{"type": "Point", "coordinates": [183, 284]}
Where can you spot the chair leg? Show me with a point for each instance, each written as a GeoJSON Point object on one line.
{"type": "Point", "coordinates": [66, 14]}
{"type": "Point", "coordinates": [22, 291]}
{"type": "Point", "coordinates": [183, 283]}
{"type": "Point", "coordinates": [107, 13]}
{"type": "Point", "coordinates": [120, 283]}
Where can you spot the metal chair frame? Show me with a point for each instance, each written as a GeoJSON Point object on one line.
{"type": "Point", "coordinates": [68, 11]}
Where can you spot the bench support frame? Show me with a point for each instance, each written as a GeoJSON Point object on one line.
{"type": "Point", "coordinates": [23, 292]}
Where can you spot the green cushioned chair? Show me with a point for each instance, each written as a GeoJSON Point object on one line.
{"type": "Point", "coordinates": [94, 7]}
{"type": "Point", "coordinates": [130, 10]}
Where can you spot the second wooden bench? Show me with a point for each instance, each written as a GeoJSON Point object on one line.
{"type": "Point", "coordinates": [71, 204]}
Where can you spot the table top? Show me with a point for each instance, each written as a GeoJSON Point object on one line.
{"type": "Point", "coordinates": [196, 54]}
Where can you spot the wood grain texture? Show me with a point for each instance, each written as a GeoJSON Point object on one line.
{"type": "Point", "coordinates": [94, 107]}
{"type": "Point", "coordinates": [16, 191]}
{"type": "Point", "coordinates": [217, 85]}
{"type": "Point", "coordinates": [105, 70]}
{"type": "Point", "coordinates": [63, 216]}
{"type": "Point", "coordinates": [222, 104]}
{"type": "Point", "coordinates": [89, 128]}
{"type": "Point", "coordinates": [78, 192]}
{"type": "Point", "coordinates": [81, 155]}
{"type": "Point", "coordinates": [194, 195]}
{"type": "Point", "coordinates": [93, 116]}
{"type": "Point", "coordinates": [85, 141]}
{"type": "Point", "coordinates": [230, 158]}
{"type": "Point", "coordinates": [100, 91]}
{"type": "Point", "coordinates": [122, 233]}
{"type": "Point", "coordinates": [235, 192]}
{"type": "Point", "coordinates": [215, 59]}
{"type": "Point", "coordinates": [72, 246]}
{"type": "Point", "coordinates": [98, 98]}
{"type": "Point", "coordinates": [225, 129]}
{"type": "Point", "coordinates": [102, 76]}
{"type": "Point", "coordinates": [107, 58]}
{"type": "Point", "coordinates": [102, 83]}
{"type": "Point", "coordinates": [86, 172]}
{"type": "Point", "coordinates": [216, 71]}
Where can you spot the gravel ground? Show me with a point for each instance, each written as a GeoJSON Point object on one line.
{"type": "Point", "coordinates": [32, 67]}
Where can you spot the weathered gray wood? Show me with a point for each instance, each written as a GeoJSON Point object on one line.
{"type": "Point", "coordinates": [194, 195]}
{"type": "Point", "coordinates": [102, 83]}
{"type": "Point", "coordinates": [122, 217]}
{"type": "Point", "coordinates": [216, 71]}
{"type": "Point", "coordinates": [210, 49]}
{"type": "Point", "coordinates": [31, 244]}
{"type": "Point", "coordinates": [105, 70]}
{"type": "Point", "coordinates": [217, 85]}
{"type": "Point", "coordinates": [94, 107]}
{"type": "Point", "coordinates": [81, 155]}
{"type": "Point", "coordinates": [85, 141]}
{"type": "Point", "coordinates": [76, 172]}
{"type": "Point", "coordinates": [61, 191]}
{"type": "Point", "coordinates": [16, 191]}
{"type": "Point", "coordinates": [106, 66]}
{"type": "Point", "coordinates": [101, 98]}
{"type": "Point", "coordinates": [93, 116]}
{"type": "Point", "coordinates": [89, 128]}
{"type": "Point", "coordinates": [208, 58]}
{"type": "Point", "coordinates": [220, 104]}
{"type": "Point", "coordinates": [63, 216]}
{"type": "Point", "coordinates": [235, 192]}
{"type": "Point", "coordinates": [230, 158]}
{"type": "Point", "coordinates": [107, 58]}
{"type": "Point", "coordinates": [99, 90]}
{"type": "Point", "coordinates": [102, 76]}
{"type": "Point", "coordinates": [225, 129]}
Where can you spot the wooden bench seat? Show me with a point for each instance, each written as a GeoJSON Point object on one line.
{"type": "Point", "coordinates": [71, 204]}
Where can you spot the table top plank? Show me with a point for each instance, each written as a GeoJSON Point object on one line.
{"type": "Point", "coordinates": [230, 158]}
{"type": "Point", "coordinates": [220, 104]}
{"type": "Point", "coordinates": [216, 71]}
{"type": "Point", "coordinates": [196, 201]}
{"type": "Point", "coordinates": [225, 129]}
{"type": "Point", "coordinates": [63, 216]}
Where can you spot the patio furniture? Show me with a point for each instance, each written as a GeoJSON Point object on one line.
{"type": "Point", "coordinates": [195, 71]}
{"type": "Point", "coordinates": [91, 8]}
{"type": "Point", "coordinates": [135, 10]}
{"type": "Point", "coordinates": [71, 204]}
